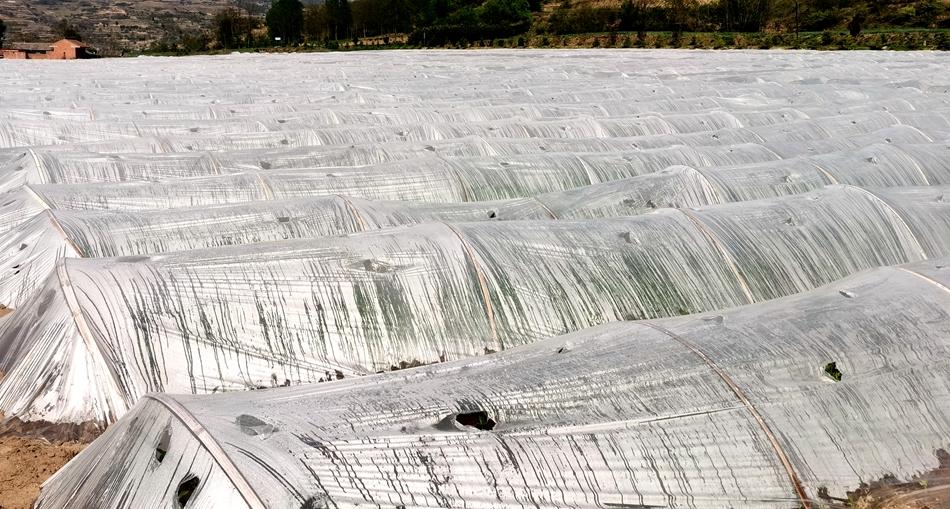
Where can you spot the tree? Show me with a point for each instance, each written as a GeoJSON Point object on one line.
{"type": "Point", "coordinates": [926, 12]}
{"type": "Point", "coordinates": [340, 17]}
{"type": "Point", "coordinates": [438, 10]}
{"type": "Point", "coordinates": [315, 22]}
{"type": "Point", "coordinates": [253, 12]}
{"type": "Point", "coordinates": [3, 32]}
{"type": "Point", "coordinates": [371, 18]}
{"type": "Point", "coordinates": [634, 15]}
{"type": "Point", "coordinates": [67, 30]}
{"type": "Point", "coordinates": [746, 15]}
{"type": "Point", "coordinates": [856, 24]}
{"type": "Point", "coordinates": [228, 27]}
{"type": "Point", "coordinates": [193, 42]}
{"type": "Point", "coordinates": [400, 14]}
{"type": "Point", "coordinates": [285, 20]}
{"type": "Point", "coordinates": [505, 12]}
{"type": "Point", "coordinates": [679, 12]}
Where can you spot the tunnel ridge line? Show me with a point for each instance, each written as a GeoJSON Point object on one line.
{"type": "Point", "coordinates": [773, 440]}
{"type": "Point", "coordinates": [482, 283]}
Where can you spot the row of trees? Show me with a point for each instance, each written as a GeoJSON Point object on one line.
{"type": "Point", "coordinates": [747, 15]}
{"type": "Point", "coordinates": [331, 20]}
{"type": "Point", "coordinates": [669, 15]}
{"type": "Point", "coordinates": [439, 22]}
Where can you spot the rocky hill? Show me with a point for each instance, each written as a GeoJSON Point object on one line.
{"type": "Point", "coordinates": [112, 26]}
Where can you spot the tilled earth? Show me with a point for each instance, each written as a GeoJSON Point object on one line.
{"type": "Point", "coordinates": [26, 462]}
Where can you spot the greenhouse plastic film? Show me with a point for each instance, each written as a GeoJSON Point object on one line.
{"type": "Point", "coordinates": [736, 405]}
{"type": "Point", "coordinates": [299, 310]}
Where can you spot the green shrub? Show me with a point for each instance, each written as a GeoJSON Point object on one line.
{"type": "Point", "coordinates": [831, 369]}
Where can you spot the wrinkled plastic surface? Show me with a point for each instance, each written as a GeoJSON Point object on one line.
{"type": "Point", "coordinates": [725, 409]}
{"type": "Point", "coordinates": [218, 224]}
{"type": "Point", "coordinates": [298, 311]}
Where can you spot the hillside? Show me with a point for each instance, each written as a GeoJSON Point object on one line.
{"type": "Point", "coordinates": [109, 25]}
{"type": "Point", "coordinates": [579, 16]}
{"type": "Point", "coordinates": [187, 25]}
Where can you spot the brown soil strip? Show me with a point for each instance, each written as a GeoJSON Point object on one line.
{"type": "Point", "coordinates": [928, 491]}
{"type": "Point", "coordinates": [25, 463]}
{"type": "Point", "coordinates": [30, 452]}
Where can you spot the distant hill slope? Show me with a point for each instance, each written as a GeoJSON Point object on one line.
{"type": "Point", "coordinates": [111, 25]}
{"type": "Point", "coordinates": [129, 25]}
{"type": "Point", "coordinates": [706, 15]}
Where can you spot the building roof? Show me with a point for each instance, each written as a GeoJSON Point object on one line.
{"type": "Point", "coordinates": [74, 43]}
{"type": "Point", "coordinates": [29, 46]}
{"type": "Point", "coordinates": [44, 46]}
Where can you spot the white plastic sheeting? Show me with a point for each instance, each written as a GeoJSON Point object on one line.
{"type": "Point", "coordinates": [434, 179]}
{"type": "Point", "coordinates": [30, 251]}
{"type": "Point", "coordinates": [727, 409]}
{"type": "Point", "coordinates": [265, 313]}
{"type": "Point", "coordinates": [133, 224]}
{"type": "Point", "coordinates": [171, 225]}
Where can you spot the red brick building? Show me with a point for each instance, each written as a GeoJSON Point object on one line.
{"type": "Point", "coordinates": [25, 51]}
{"type": "Point", "coordinates": [65, 49]}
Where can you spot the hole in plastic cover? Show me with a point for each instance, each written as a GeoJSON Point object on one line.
{"type": "Point", "coordinates": [161, 450]}
{"type": "Point", "coordinates": [187, 489]}
{"type": "Point", "coordinates": [478, 420]}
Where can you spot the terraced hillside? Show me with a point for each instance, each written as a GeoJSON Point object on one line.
{"type": "Point", "coordinates": [112, 26]}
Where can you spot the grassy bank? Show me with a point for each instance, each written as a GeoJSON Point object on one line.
{"type": "Point", "coordinates": [881, 39]}
{"type": "Point", "coordinates": [923, 39]}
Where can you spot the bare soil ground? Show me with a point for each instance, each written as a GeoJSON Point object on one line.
{"type": "Point", "coordinates": [25, 462]}
{"type": "Point", "coordinates": [30, 452]}
{"type": "Point", "coordinates": [928, 491]}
